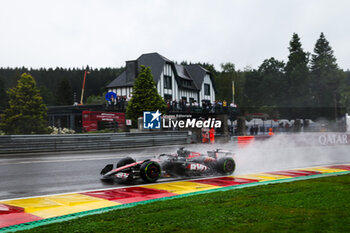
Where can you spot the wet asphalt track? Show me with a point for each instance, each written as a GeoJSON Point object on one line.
{"type": "Point", "coordinates": [28, 175]}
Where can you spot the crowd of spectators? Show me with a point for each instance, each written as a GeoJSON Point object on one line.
{"type": "Point", "coordinates": [193, 106]}
{"type": "Point", "coordinates": [118, 104]}
{"type": "Point", "coordinates": [174, 106]}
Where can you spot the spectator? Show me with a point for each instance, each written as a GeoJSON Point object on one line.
{"type": "Point", "coordinates": [256, 130]}
{"type": "Point", "coordinates": [224, 105]}
{"type": "Point", "coordinates": [251, 130]}
{"type": "Point", "coordinates": [188, 107]}
{"type": "Point", "coordinates": [112, 102]}
{"type": "Point", "coordinates": [219, 105]}
{"type": "Point", "coordinates": [174, 105]}
{"type": "Point", "coordinates": [213, 107]}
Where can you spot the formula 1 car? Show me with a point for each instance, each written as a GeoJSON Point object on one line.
{"type": "Point", "coordinates": [183, 163]}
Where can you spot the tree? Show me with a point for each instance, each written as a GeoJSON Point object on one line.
{"type": "Point", "coordinates": [345, 91]}
{"type": "Point", "coordinates": [298, 97]}
{"type": "Point", "coordinates": [252, 93]}
{"type": "Point", "coordinates": [297, 73]}
{"type": "Point", "coordinates": [27, 113]}
{"type": "Point", "coordinates": [223, 82]}
{"type": "Point", "coordinates": [345, 98]}
{"type": "Point", "coordinates": [64, 93]}
{"type": "Point", "coordinates": [209, 67]}
{"type": "Point", "coordinates": [96, 99]}
{"type": "Point", "coordinates": [273, 83]}
{"type": "Point", "coordinates": [228, 67]}
{"type": "Point", "coordinates": [145, 96]}
{"type": "Point", "coordinates": [48, 96]}
{"type": "Point", "coordinates": [3, 97]}
{"type": "Point", "coordinates": [326, 77]}
{"type": "Point", "coordinates": [48, 80]}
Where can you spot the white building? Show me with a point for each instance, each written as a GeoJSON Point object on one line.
{"type": "Point", "coordinates": [173, 81]}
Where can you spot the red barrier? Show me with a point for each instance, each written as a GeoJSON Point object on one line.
{"type": "Point", "coordinates": [244, 140]}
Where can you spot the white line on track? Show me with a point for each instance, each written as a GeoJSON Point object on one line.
{"type": "Point", "coordinates": [54, 160]}
{"type": "Point", "coordinates": [93, 151]}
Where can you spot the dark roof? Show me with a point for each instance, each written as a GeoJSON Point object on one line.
{"type": "Point", "coordinates": [197, 74]}
{"type": "Point", "coordinates": [155, 61]}
{"type": "Point", "coordinates": [182, 72]}
{"type": "Point", "coordinates": [193, 73]}
{"type": "Point", "coordinates": [120, 81]}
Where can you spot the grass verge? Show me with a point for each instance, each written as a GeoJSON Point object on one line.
{"type": "Point", "coordinates": [316, 205]}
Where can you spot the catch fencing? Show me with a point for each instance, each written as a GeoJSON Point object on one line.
{"type": "Point", "coordinates": [76, 142]}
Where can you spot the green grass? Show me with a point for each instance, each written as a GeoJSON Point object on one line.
{"type": "Point", "coordinates": [316, 205]}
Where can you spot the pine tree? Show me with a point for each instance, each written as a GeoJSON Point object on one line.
{"type": "Point", "coordinates": [325, 75]}
{"type": "Point", "coordinates": [297, 57]}
{"type": "Point", "coordinates": [3, 97]}
{"type": "Point", "coordinates": [297, 73]}
{"type": "Point", "coordinates": [64, 93]}
{"type": "Point", "coordinates": [145, 96]}
{"type": "Point", "coordinates": [48, 96]}
{"type": "Point", "coordinates": [298, 97]}
{"type": "Point", "coordinates": [27, 113]}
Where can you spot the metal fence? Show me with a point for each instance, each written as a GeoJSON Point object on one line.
{"type": "Point", "coordinates": [76, 142]}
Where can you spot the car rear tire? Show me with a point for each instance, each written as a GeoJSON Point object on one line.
{"type": "Point", "coordinates": [150, 171]}
{"type": "Point", "coordinates": [226, 165]}
{"type": "Point", "coordinates": [125, 161]}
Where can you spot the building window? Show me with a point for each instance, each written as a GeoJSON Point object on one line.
{"type": "Point", "coordinates": [206, 89]}
{"type": "Point", "coordinates": [167, 82]}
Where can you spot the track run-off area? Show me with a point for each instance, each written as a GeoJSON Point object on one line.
{"type": "Point", "coordinates": [44, 188]}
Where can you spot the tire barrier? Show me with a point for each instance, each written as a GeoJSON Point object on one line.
{"type": "Point", "coordinates": [27, 213]}
{"type": "Point", "coordinates": [76, 142]}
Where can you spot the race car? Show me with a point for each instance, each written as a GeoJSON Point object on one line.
{"type": "Point", "coordinates": [183, 163]}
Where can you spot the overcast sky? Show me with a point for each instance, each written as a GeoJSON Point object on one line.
{"type": "Point", "coordinates": [106, 33]}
